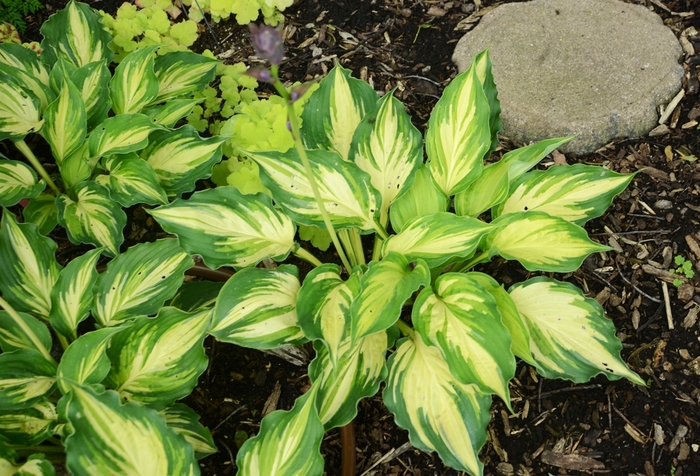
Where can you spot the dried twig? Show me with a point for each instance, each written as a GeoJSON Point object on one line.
{"type": "Point", "coordinates": [651, 298]}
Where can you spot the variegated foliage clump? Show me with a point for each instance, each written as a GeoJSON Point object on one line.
{"type": "Point", "coordinates": [112, 145]}
{"type": "Point", "coordinates": [455, 332]}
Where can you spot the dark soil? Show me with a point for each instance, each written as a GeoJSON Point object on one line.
{"type": "Point", "coordinates": [597, 428]}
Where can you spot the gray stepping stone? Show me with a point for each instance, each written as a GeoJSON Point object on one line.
{"type": "Point", "coordinates": [598, 68]}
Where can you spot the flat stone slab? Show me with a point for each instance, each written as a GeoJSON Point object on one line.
{"type": "Point", "coordinates": [598, 68]}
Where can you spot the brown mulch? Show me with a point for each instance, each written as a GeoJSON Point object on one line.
{"type": "Point", "coordinates": [601, 427]}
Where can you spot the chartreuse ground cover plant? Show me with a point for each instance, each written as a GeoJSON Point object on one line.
{"type": "Point", "coordinates": [411, 311]}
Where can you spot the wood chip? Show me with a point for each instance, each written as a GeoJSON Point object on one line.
{"type": "Point", "coordinates": [271, 402]}
{"type": "Point", "coordinates": [691, 318]}
{"type": "Point", "coordinates": [572, 462]}
{"type": "Point", "coordinates": [671, 107]}
{"type": "Point", "coordinates": [693, 245]}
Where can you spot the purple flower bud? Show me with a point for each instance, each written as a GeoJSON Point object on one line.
{"type": "Point", "coordinates": [261, 74]}
{"type": "Point", "coordinates": [289, 126]}
{"type": "Point", "coordinates": [298, 91]}
{"type": "Point", "coordinates": [268, 43]}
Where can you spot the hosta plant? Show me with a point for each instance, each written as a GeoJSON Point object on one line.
{"type": "Point", "coordinates": [412, 310]}
{"type": "Point", "coordinates": [110, 135]}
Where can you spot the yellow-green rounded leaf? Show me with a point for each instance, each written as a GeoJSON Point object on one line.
{"type": "Point", "coordinates": [323, 306]}
{"type": "Point", "coordinates": [462, 320]}
{"type": "Point", "coordinates": [17, 181]}
{"type": "Point", "coordinates": [139, 281]}
{"type": "Point", "coordinates": [228, 228]}
{"type": "Point", "coordinates": [437, 237]}
{"type": "Point", "coordinates": [288, 443]}
{"type": "Point", "coordinates": [29, 266]}
{"type": "Point", "coordinates": [541, 242]}
{"type": "Point", "coordinates": [423, 197]}
{"type": "Point", "coordinates": [386, 286]}
{"type": "Point", "coordinates": [93, 217]}
{"type": "Point", "coordinates": [111, 439]}
{"type": "Point", "coordinates": [459, 133]}
{"type": "Point", "coordinates": [576, 193]}
{"type": "Point", "coordinates": [134, 84]}
{"type": "Point", "coordinates": [570, 337]}
{"type": "Point", "coordinates": [389, 148]}
{"type": "Point", "coordinates": [345, 189]}
{"type": "Point", "coordinates": [156, 361]}
{"type": "Point", "coordinates": [257, 308]}
{"type": "Point", "coordinates": [439, 413]}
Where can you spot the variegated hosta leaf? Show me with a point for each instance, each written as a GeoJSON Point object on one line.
{"type": "Point", "coordinates": [75, 168]}
{"type": "Point", "coordinates": [458, 133]}
{"type": "Point", "coordinates": [75, 34]}
{"type": "Point", "coordinates": [17, 181]}
{"type": "Point", "coordinates": [137, 437]}
{"type": "Point", "coordinates": [422, 198]}
{"type": "Point", "coordinates": [24, 65]}
{"type": "Point", "coordinates": [121, 134]}
{"type": "Point", "coordinates": [323, 306]}
{"type": "Point", "coordinates": [185, 421]}
{"type": "Point", "coordinates": [71, 296]}
{"type": "Point", "coordinates": [134, 84]}
{"type": "Point", "coordinates": [85, 361]}
{"type": "Point", "coordinates": [94, 217]}
{"type": "Point", "coordinates": [482, 63]}
{"type": "Point", "coordinates": [575, 193]}
{"type": "Point", "coordinates": [356, 375]}
{"type": "Point", "coordinates": [181, 157]}
{"type": "Point", "coordinates": [462, 320]}
{"type": "Point", "coordinates": [334, 110]}
{"type": "Point", "coordinates": [228, 228]}
{"type": "Point", "coordinates": [92, 80]}
{"type": "Point", "coordinates": [131, 180]}
{"type": "Point", "coordinates": [541, 242]}
{"type": "Point", "coordinates": [138, 281]}
{"type": "Point", "coordinates": [61, 71]}
{"type": "Point", "coordinates": [437, 238]}
{"type": "Point", "coordinates": [389, 148]}
{"type": "Point", "coordinates": [386, 286]}
{"type": "Point", "coordinates": [439, 413]}
{"type": "Point", "coordinates": [23, 331]}
{"type": "Point", "coordinates": [288, 442]}
{"type": "Point", "coordinates": [29, 267]}
{"type": "Point", "coordinates": [570, 337]}
{"type": "Point", "coordinates": [519, 333]}
{"type": "Point", "coordinates": [156, 361]}
{"type": "Point", "coordinates": [28, 426]}
{"type": "Point", "coordinates": [492, 186]}
{"type": "Point", "coordinates": [182, 72]}
{"type": "Point", "coordinates": [42, 212]}
{"type": "Point", "coordinates": [196, 295]}
{"type": "Point", "coordinates": [65, 122]}
{"type": "Point", "coordinates": [346, 191]}
{"type": "Point", "coordinates": [35, 465]}
{"type": "Point", "coordinates": [172, 111]}
{"type": "Point", "coordinates": [257, 308]}
{"type": "Point", "coordinates": [25, 378]}
{"type": "Point", "coordinates": [19, 110]}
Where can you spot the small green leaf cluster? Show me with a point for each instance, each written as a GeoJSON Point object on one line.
{"type": "Point", "coordinates": [228, 95]}
{"type": "Point", "coordinates": [14, 12]}
{"type": "Point", "coordinates": [133, 28]}
{"type": "Point", "coordinates": [684, 268]}
{"type": "Point", "coordinates": [410, 313]}
{"type": "Point", "coordinates": [245, 11]}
